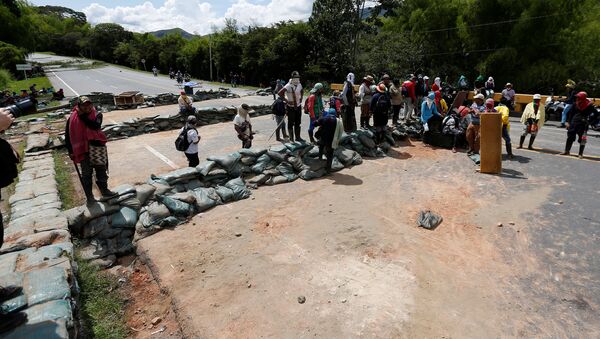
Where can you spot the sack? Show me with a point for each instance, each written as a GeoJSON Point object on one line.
{"type": "Point", "coordinates": [182, 143]}
{"type": "Point", "coordinates": [98, 155]}
{"type": "Point", "coordinates": [426, 127]}
{"type": "Point", "coordinates": [534, 128]}
{"type": "Point", "coordinates": [9, 160]}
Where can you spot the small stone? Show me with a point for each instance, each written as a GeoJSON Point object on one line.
{"type": "Point", "coordinates": [181, 270]}
{"type": "Point", "coordinates": [249, 285]}
{"type": "Point", "coordinates": [344, 301]}
{"type": "Point", "coordinates": [203, 271]}
{"type": "Point", "coordinates": [511, 222]}
{"type": "Point", "coordinates": [561, 202]}
{"type": "Point", "coordinates": [267, 224]}
{"type": "Point", "coordinates": [301, 299]}
{"type": "Point", "coordinates": [238, 234]}
{"type": "Point", "coordinates": [237, 217]}
{"type": "Point", "coordinates": [156, 320]}
{"type": "Point", "coordinates": [499, 224]}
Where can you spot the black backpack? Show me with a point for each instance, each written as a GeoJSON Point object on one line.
{"type": "Point", "coordinates": [8, 170]}
{"type": "Point", "coordinates": [383, 102]}
{"type": "Point", "coordinates": [182, 143]}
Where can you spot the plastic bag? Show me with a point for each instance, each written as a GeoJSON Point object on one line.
{"type": "Point", "coordinates": [429, 220]}
{"type": "Point", "coordinates": [425, 127]}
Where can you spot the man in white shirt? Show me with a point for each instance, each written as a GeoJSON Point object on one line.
{"type": "Point", "coordinates": [292, 94]}
{"type": "Point", "coordinates": [193, 139]}
{"type": "Point", "coordinates": [243, 127]}
{"type": "Point", "coordinates": [185, 104]}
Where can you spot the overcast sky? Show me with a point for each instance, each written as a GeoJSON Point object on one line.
{"type": "Point", "coordinates": [194, 16]}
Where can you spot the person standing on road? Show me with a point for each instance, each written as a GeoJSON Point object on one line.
{"type": "Point", "coordinates": [278, 87]}
{"type": "Point", "coordinates": [410, 97]}
{"type": "Point", "coordinates": [294, 94]}
{"type": "Point", "coordinates": [86, 144]}
{"type": "Point", "coordinates": [532, 119]}
{"type": "Point", "coordinates": [380, 106]}
{"type": "Point", "coordinates": [365, 95]}
{"type": "Point", "coordinates": [315, 108]}
{"type": "Point", "coordinates": [578, 123]}
{"type": "Point", "coordinates": [193, 138]}
{"type": "Point", "coordinates": [349, 104]}
{"type": "Point", "coordinates": [396, 96]}
{"type": "Point", "coordinates": [243, 127]}
{"type": "Point", "coordinates": [185, 104]}
{"type": "Point", "coordinates": [278, 109]}
{"type": "Point", "coordinates": [568, 103]}
{"type": "Point", "coordinates": [474, 125]}
{"type": "Point", "coordinates": [501, 108]}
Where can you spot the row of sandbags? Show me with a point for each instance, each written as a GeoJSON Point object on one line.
{"type": "Point", "coordinates": [111, 228]}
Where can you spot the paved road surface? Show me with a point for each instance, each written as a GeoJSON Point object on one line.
{"type": "Point", "coordinates": [112, 79]}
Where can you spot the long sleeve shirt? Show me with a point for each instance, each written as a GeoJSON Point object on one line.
{"type": "Point", "coordinates": [530, 113]}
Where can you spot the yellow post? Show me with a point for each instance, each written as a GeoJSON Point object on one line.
{"type": "Point", "coordinates": [491, 143]}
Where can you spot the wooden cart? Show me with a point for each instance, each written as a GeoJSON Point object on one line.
{"type": "Point", "coordinates": [129, 99]}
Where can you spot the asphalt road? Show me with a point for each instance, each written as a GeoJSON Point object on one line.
{"type": "Point", "coordinates": [112, 79]}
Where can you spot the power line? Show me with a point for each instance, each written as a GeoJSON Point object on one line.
{"type": "Point", "coordinates": [491, 23]}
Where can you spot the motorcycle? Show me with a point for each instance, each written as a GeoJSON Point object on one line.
{"type": "Point", "coordinates": [171, 75]}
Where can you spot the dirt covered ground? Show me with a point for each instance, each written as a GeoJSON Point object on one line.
{"type": "Point", "coordinates": [342, 257]}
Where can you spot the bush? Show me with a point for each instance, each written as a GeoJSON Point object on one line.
{"type": "Point", "coordinates": [10, 55]}
{"type": "Point", "coordinates": [5, 78]}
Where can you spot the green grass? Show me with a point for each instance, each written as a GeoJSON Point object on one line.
{"type": "Point", "coordinates": [17, 86]}
{"type": "Point", "coordinates": [102, 305]}
{"type": "Point", "coordinates": [66, 189]}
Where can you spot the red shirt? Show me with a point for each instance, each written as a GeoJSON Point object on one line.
{"type": "Point", "coordinates": [410, 86]}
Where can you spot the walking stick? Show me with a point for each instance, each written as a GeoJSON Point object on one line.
{"type": "Point", "coordinates": [276, 128]}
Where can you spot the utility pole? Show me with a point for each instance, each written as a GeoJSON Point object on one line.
{"type": "Point", "coordinates": [210, 56]}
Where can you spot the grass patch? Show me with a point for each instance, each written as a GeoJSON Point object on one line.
{"type": "Point", "coordinates": [66, 188]}
{"type": "Point", "coordinates": [17, 86]}
{"type": "Point", "coordinates": [102, 305]}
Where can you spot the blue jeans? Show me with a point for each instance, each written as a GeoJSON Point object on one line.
{"type": "Point", "coordinates": [565, 113]}
{"type": "Point", "coordinates": [506, 135]}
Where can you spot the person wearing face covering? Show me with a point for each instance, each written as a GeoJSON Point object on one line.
{"type": "Point", "coordinates": [532, 119]}
{"type": "Point", "coordinates": [242, 126]}
{"type": "Point", "coordinates": [315, 108]}
{"type": "Point", "coordinates": [292, 93]}
{"type": "Point", "coordinates": [83, 132]}
{"type": "Point", "coordinates": [380, 106]}
{"type": "Point", "coordinates": [329, 133]}
{"type": "Point", "coordinates": [349, 104]}
{"type": "Point", "coordinates": [429, 109]}
{"type": "Point", "coordinates": [578, 123]}
{"type": "Point", "coordinates": [437, 84]}
{"type": "Point", "coordinates": [440, 103]}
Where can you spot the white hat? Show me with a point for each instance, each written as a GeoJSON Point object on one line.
{"type": "Point", "coordinates": [479, 96]}
{"type": "Point", "coordinates": [537, 97]}
{"type": "Point", "coordinates": [426, 78]}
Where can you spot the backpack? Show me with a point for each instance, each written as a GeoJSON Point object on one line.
{"type": "Point", "coordinates": [278, 107]}
{"type": "Point", "coordinates": [383, 103]}
{"type": "Point", "coordinates": [305, 106]}
{"type": "Point", "coordinates": [9, 161]}
{"type": "Point", "coordinates": [404, 91]}
{"type": "Point", "coordinates": [182, 143]}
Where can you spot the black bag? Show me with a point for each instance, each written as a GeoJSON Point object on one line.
{"type": "Point", "coordinates": [182, 143]}
{"type": "Point", "coordinates": [8, 163]}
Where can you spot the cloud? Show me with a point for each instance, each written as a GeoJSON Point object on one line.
{"type": "Point", "coordinates": [196, 15]}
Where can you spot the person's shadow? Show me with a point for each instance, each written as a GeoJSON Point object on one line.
{"type": "Point", "coordinates": [392, 153]}
{"type": "Point", "coordinates": [519, 158]}
{"type": "Point", "coordinates": [344, 179]}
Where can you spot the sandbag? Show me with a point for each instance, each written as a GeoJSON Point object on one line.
{"type": "Point", "coordinates": [156, 212]}
{"type": "Point", "coordinates": [180, 175]}
{"type": "Point", "coordinates": [309, 175]}
{"type": "Point", "coordinates": [314, 164]}
{"type": "Point", "coordinates": [366, 141]}
{"type": "Point", "coordinates": [385, 147]}
{"type": "Point", "coordinates": [144, 192]}
{"type": "Point", "coordinates": [176, 207]}
{"type": "Point", "coordinates": [278, 149]}
{"type": "Point", "coordinates": [336, 165]}
{"type": "Point", "coordinates": [252, 152]}
{"type": "Point", "coordinates": [160, 187]}
{"type": "Point", "coordinates": [226, 162]}
{"type": "Point", "coordinates": [296, 163]}
{"type": "Point", "coordinates": [280, 179]}
{"type": "Point", "coordinates": [125, 218]}
{"type": "Point", "coordinates": [248, 161]}
{"type": "Point", "coordinates": [259, 179]}
{"type": "Point", "coordinates": [239, 189]}
{"type": "Point", "coordinates": [261, 164]}
{"type": "Point", "coordinates": [206, 198]}
{"type": "Point", "coordinates": [205, 167]}
{"type": "Point", "coordinates": [278, 157]}
{"type": "Point", "coordinates": [225, 193]}
{"type": "Point", "coordinates": [169, 222]}
{"type": "Point", "coordinates": [344, 155]}
{"type": "Point", "coordinates": [287, 170]}
{"type": "Point", "coordinates": [193, 184]}
{"type": "Point", "coordinates": [187, 197]}
{"type": "Point", "coordinates": [295, 146]}
{"type": "Point", "coordinates": [390, 138]}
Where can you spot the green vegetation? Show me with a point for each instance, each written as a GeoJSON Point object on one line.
{"type": "Point", "coordinates": [537, 45]}
{"type": "Point", "coordinates": [5, 78]}
{"type": "Point", "coordinates": [17, 86]}
{"type": "Point", "coordinates": [102, 305]}
{"type": "Point", "coordinates": [66, 189]}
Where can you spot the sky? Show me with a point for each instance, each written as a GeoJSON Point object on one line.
{"type": "Point", "coordinates": [194, 16]}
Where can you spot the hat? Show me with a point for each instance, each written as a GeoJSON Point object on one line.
{"type": "Point", "coordinates": [581, 95]}
{"type": "Point", "coordinates": [369, 78]}
{"type": "Point", "coordinates": [489, 102]}
{"type": "Point", "coordinates": [508, 84]}
{"type": "Point", "coordinates": [373, 88]}
{"type": "Point", "coordinates": [182, 92]}
{"type": "Point", "coordinates": [537, 97]}
{"type": "Point", "coordinates": [192, 119]}
{"type": "Point", "coordinates": [295, 74]}
{"type": "Point", "coordinates": [83, 99]}
{"type": "Point", "coordinates": [426, 78]}
{"type": "Point", "coordinates": [479, 96]}
{"type": "Point", "coordinates": [381, 88]}
{"type": "Point", "coordinates": [246, 107]}
{"type": "Point", "coordinates": [318, 87]}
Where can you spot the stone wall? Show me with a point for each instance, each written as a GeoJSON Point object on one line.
{"type": "Point", "coordinates": [37, 255]}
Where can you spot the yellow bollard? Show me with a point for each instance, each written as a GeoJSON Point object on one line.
{"type": "Point", "coordinates": [491, 143]}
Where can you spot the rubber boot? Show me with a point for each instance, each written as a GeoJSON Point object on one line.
{"type": "Point", "coordinates": [509, 151]}
{"type": "Point", "coordinates": [297, 131]}
{"type": "Point", "coordinates": [291, 132]}
{"type": "Point", "coordinates": [285, 136]}
{"type": "Point", "coordinates": [521, 142]}
{"type": "Point", "coordinates": [277, 135]}
{"type": "Point", "coordinates": [567, 148]}
{"type": "Point", "coordinates": [531, 140]}
{"type": "Point", "coordinates": [106, 193]}
{"type": "Point", "coordinates": [581, 148]}
{"type": "Point", "coordinates": [311, 137]}
{"type": "Point", "coordinates": [87, 189]}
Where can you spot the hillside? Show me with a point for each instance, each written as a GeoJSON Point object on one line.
{"type": "Point", "coordinates": [162, 33]}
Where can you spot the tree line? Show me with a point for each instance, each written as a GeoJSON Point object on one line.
{"type": "Point", "coordinates": [536, 45]}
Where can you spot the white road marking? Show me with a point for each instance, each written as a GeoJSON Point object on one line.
{"type": "Point", "coordinates": [69, 87]}
{"type": "Point", "coordinates": [161, 157]}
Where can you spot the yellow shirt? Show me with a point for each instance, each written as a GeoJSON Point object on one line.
{"type": "Point", "coordinates": [505, 115]}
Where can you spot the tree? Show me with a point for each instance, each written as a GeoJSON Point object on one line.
{"type": "Point", "coordinates": [104, 38]}
{"type": "Point", "coordinates": [10, 55]}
